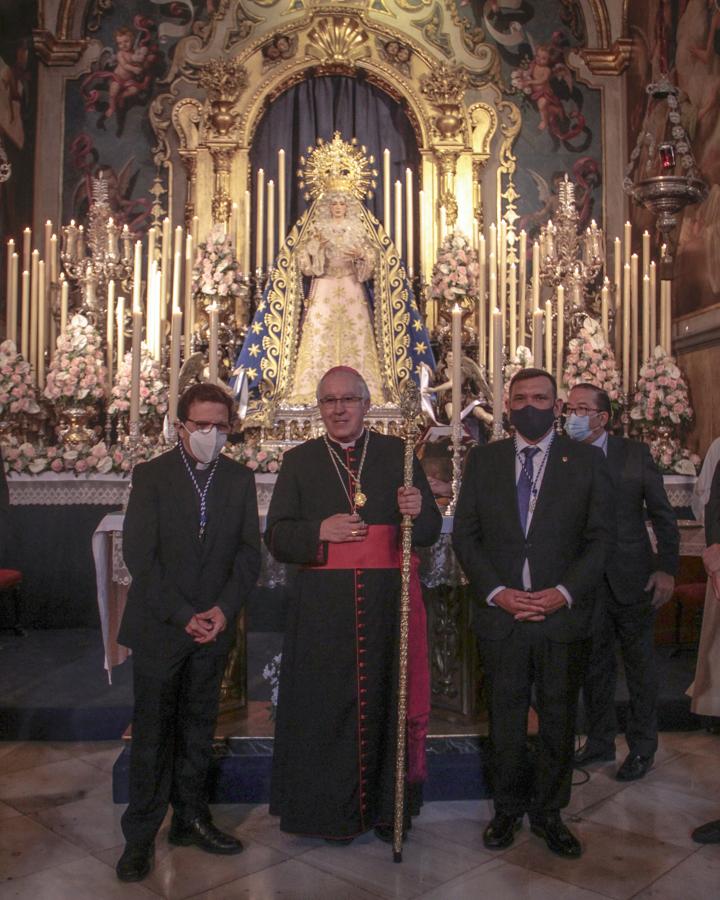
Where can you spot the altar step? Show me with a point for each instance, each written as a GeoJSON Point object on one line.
{"type": "Point", "coordinates": [242, 765]}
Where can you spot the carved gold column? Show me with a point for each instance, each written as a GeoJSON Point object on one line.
{"type": "Point", "coordinates": [222, 156]}
{"type": "Point", "coordinates": [477, 169]}
{"type": "Point", "coordinates": [447, 164]}
{"type": "Point", "coordinates": [189, 161]}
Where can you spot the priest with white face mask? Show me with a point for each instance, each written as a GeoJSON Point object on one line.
{"type": "Point", "coordinates": [191, 542]}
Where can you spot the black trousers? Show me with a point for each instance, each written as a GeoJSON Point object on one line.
{"type": "Point", "coordinates": [632, 627]}
{"type": "Point", "coordinates": [172, 732]}
{"type": "Point", "coordinates": [538, 783]}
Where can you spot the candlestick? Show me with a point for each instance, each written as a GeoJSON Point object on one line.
{"type": "Point", "coordinates": [34, 260]}
{"type": "Point", "coordinates": [189, 320]}
{"type": "Point", "coordinates": [635, 316]}
{"type": "Point", "coordinates": [64, 304]}
{"type": "Point", "coordinates": [497, 374]}
{"type": "Point", "coordinates": [512, 302]}
{"type": "Point", "coordinates": [627, 371]}
{"type": "Point", "coordinates": [137, 277]}
{"type": "Point", "coordinates": [386, 190]}
{"type": "Point", "coordinates": [282, 217]}
{"type": "Point", "coordinates": [259, 219]}
{"type": "Point", "coordinates": [109, 327]}
{"type": "Point", "coordinates": [627, 242]}
{"type": "Point", "coordinates": [522, 286]}
{"type": "Point", "coordinates": [246, 235]}
{"type": "Point", "coordinates": [213, 347]}
{"type": "Point", "coordinates": [27, 246]}
{"type": "Point", "coordinates": [456, 377]}
{"type": "Point", "coordinates": [270, 223]}
{"type": "Point", "coordinates": [653, 306]}
{"type": "Point", "coordinates": [410, 253]}
{"type": "Point", "coordinates": [40, 359]}
{"type": "Point", "coordinates": [604, 309]}
{"type": "Point", "coordinates": [548, 335]}
{"type": "Point", "coordinates": [398, 218]}
{"type": "Point", "coordinates": [560, 337]}
{"type": "Point", "coordinates": [120, 323]}
{"type": "Point", "coordinates": [25, 316]}
{"type": "Point", "coordinates": [645, 318]}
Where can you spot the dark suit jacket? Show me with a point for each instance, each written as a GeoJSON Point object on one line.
{"type": "Point", "coordinates": [638, 484]}
{"type": "Point", "coordinates": [176, 575]}
{"type": "Point", "coordinates": [4, 514]}
{"type": "Point", "coordinates": [712, 511]}
{"type": "Point", "coordinates": [566, 543]}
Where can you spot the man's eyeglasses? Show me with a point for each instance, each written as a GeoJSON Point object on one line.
{"type": "Point", "coordinates": [581, 410]}
{"type": "Point", "coordinates": [330, 402]}
{"type": "Point", "coordinates": [206, 427]}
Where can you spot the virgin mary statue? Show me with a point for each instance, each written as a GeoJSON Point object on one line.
{"type": "Point", "coordinates": [337, 295]}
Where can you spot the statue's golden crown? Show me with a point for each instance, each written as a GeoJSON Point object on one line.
{"type": "Point", "coordinates": [337, 165]}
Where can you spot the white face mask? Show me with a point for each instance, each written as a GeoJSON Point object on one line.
{"type": "Point", "coordinates": [206, 447]}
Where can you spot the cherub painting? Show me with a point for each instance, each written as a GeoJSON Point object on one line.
{"type": "Point", "coordinates": [125, 74]}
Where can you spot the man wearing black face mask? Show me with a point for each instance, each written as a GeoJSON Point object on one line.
{"type": "Point", "coordinates": [191, 541]}
{"type": "Point", "coordinates": [531, 532]}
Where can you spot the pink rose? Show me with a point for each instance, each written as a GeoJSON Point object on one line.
{"type": "Point", "coordinates": [81, 465]}
{"type": "Point", "coordinates": [56, 465]}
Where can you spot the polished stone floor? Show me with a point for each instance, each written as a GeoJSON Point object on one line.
{"type": "Point", "coordinates": [60, 838]}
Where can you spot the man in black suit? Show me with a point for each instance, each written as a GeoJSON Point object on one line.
{"type": "Point", "coordinates": [636, 584]}
{"type": "Point", "coordinates": [531, 531]}
{"type": "Point", "coordinates": [192, 544]}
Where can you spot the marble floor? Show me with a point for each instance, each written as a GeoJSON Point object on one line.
{"type": "Point", "coordinates": [60, 838]}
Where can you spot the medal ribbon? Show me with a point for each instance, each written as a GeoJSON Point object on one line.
{"type": "Point", "coordinates": [201, 492]}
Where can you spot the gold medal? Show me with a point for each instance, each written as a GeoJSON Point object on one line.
{"type": "Point", "coordinates": [359, 499]}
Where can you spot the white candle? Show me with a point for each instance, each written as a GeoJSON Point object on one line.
{"type": "Point", "coordinates": [560, 339]}
{"type": "Point", "coordinates": [48, 238]}
{"type": "Point", "coordinates": [165, 270]}
{"type": "Point", "coordinates": [41, 326]}
{"type": "Point", "coordinates": [645, 318]}
{"type": "Point", "coordinates": [35, 259]}
{"type": "Point", "coordinates": [110, 338]}
{"type": "Point", "coordinates": [233, 233]}
{"type": "Point", "coordinates": [259, 219]}
{"type": "Point", "coordinates": [25, 316]}
{"type": "Point", "coordinates": [635, 315]}
{"type": "Point", "coordinates": [246, 236]}
{"type": "Point", "coordinates": [548, 335]}
{"type": "Point", "coordinates": [53, 259]}
{"type": "Point", "coordinates": [282, 215]}
{"type": "Point", "coordinates": [604, 308]}
{"type": "Point", "coordinates": [137, 277]}
{"type": "Point", "coordinates": [617, 279]}
{"type": "Point", "coordinates": [627, 243]}
{"type": "Point", "coordinates": [456, 344]}
{"type": "Point", "coordinates": [421, 243]}
{"type": "Point", "coordinates": [270, 223]}
{"type": "Point", "coordinates": [398, 218]}
{"type": "Point", "coordinates": [11, 298]}
{"type": "Point", "coordinates": [646, 253]}
{"type": "Point", "coordinates": [492, 303]}
{"type": "Point", "coordinates": [502, 278]}
{"type": "Point", "coordinates": [120, 325]}
{"type": "Point", "coordinates": [522, 286]}
{"type": "Point", "coordinates": [492, 241]}
{"type": "Point", "coordinates": [627, 371]}
{"type": "Point", "coordinates": [64, 304]}
{"type": "Point", "coordinates": [410, 255]}
{"type": "Point", "coordinates": [386, 190]}
{"type": "Point", "coordinates": [195, 230]}
{"type": "Point", "coordinates": [497, 373]}
{"type": "Point", "coordinates": [137, 317]}
{"type": "Point", "coordinates": [536, 276]}
{"type": "Point", "coordinates": [653, 305]}
{"type": "Point", "coordinates": [151, 238]}
{"type": "Point", "coordinates": [27, 246]}
{"type": "Point", "coordinates": [213, 347]}
{"type": "Point", "coordinates": [189, 322]}
{"type": "Point", "coordinates": [482, 282]}
{"type": "Point", "coordinates": [668, 313]}
{"type": "Point", "coordinates": [175, 341]}
{"type": "Point", "coordinates": [512, 302]}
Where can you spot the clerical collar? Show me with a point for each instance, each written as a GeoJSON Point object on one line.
{"type": "Point", "coordinates": [200, 466]}
{"type": "Point", "coordinates": [357, 442]}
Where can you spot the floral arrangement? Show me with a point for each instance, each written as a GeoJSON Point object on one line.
{"type": "Point", "coordinates": [216, 272]}
{"type": "Point", "coordinates": [661, 397]}
{"type": "Point", "coordinates": [271, 673]}
{"type": "Point", "coordinates": [456, 272]}
{"type": "Point", "coordinates": [256, 459]}
{"type": "Point", "coordinates": [77, 371]}
{"type": "Point", "coordinates": [591, 360]}
{"type": "Point", "coordinates": [153, 387]}
{"type": "Point", "coordinates": [673, 459]}
{"type": "Point", "coordinates": [26, 458]}
{"type": "Point", "coordinates": [17, 391]}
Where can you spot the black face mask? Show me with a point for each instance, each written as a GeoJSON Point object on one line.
{"type": "Point", "coordinates": [531, 422]}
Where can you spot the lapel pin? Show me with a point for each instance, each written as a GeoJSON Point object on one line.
{"type": "Point", "coordinates": [564, 459]}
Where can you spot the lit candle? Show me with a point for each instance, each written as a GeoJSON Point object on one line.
{"type": "Point", "coordinates": [247, 210]}
{"type": "Point", "coordinates": [604, 308]}
{"type": "Point", "coordinates": [282, 216]}
{"type": "Point", "coordinates": [410, 255]}
{"type": "Point", "coordinates": [189, 322]}
{"type": "Point", "coordinates": [560, 338]}
{"type": "Point", "coordinates": [64, 304]}
{"type": "Point", "coordinates": [53, 259]}
{"type": "Point", "coordinates": [635, 315]}
{"type": "Point", "coordinates": [627, 372]}
{"type": "Point", "coordinates": [137, 277]}
{"type": "Point", "coordinates": [41, 326]}
{"type": "Point", "coordinates": [10, 296]}
{"type": "Point", "coordinates": [213, 347]}
{"type": "Point", "coordinates": [646, 253]}
{"type": "Point", "coordinates": [522, 274]}
{"type": "Point", "coordinates": [270, 223]}
{"type": "Point", "coordinates": [27, 245]}
{"type": "Point", "coordinates": [456, 369]}
{"type": "Point", "coordinates": [398, 218]}
{"type": "Point", "coordinates": [627, 243]}
{"type": "Point", "coordinates": [120, 324]}
{"type": "Point", "coordinates": [110, 338]}
{"type": "Point", "coordinates": [48, 237]}
{"type": "Point", "coordinates": [512, 302]}
{"type": "Point", "coordinates": [25, 316]}
{"type": "Point", "coordinates": [497, 373]}
{"type": "Point", "coordinates": [548, 335]}
{"type": "Point", "coordinates": [645, 318]}
{"type": "Point", "coordinates": [81, 242]}
{"type": "Point", "coordinates": [653, 305]}
{"type": "Point", "coordinates": [35, 259]}
{"type": "Point", "coordinates": [260, 220]}
{"type": "Point", "coordinates": [386, 190]}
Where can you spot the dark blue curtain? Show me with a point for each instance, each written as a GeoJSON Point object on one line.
{"type": "Point", "coordinates": [320, 106]}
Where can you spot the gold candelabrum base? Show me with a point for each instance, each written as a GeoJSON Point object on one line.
{"type": "Point", "coordinates": [73, 427]}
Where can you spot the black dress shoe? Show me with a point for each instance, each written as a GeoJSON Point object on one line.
{"type": "Point", "coordinates": [709, 833]}
{"type": "Point", "coordinates": [592, 754]}
{"type": "Point", "coordinates": [500, 832]}
{"type": "Point", "coordinates": [203, 834]}
{"type": "Point", "coordinates": [556, 835]}
{"type": "Point", "coordinates": [634, 767]}
{"type": "Point", "coordinates": [135, 863]}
